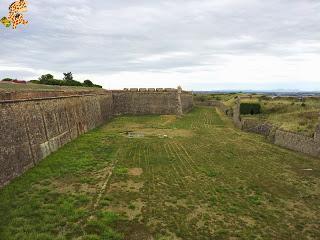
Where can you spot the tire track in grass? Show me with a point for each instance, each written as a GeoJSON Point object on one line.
{"type": "Point", "coordinates": [187, 157]}
{"type": "Point", "coordinates": [151, 168]}
{"type": "Point", "coordinates": [178, 178]}
{"type": "Point", "coordinates": [197, 173]}
{"type": "Point", "coordinates": [96, 201]}
{"type": "Point", "coordinates": [183, 163]}
{"type": "Point", "coordinates": [183, 169]}
{"type": "Point", "coordinates": [147, 183]}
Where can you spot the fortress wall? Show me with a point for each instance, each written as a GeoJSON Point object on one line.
{"type": "Point", "coordinates": [186, 101]}
{"type": "Point", "coordinates": [31, 130]}
{"type": "Point", "coordinates": [45, 94]}
{"type": "Point", "coordinates": [289, 140]}
{"type": "Point", "coordinates": [251, 125]}
{"type": "Point", "coordinates": [297, 142]}
{"type": "Point", "coordinates": [145, 102]}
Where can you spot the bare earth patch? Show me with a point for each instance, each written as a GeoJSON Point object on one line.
{"type": "Point", "coordinates": [135, 171]}
{"type": "Point", "coordinates": [128, 186]}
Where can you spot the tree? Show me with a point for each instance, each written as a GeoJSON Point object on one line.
{"type": "Point", "coordinates": [7, 79]}
{"type": "Point", "coordinates": [68, 76]}
{"type": "Point", "coordinates": [88, 83]}
{"type": "Point", "coordinates": [44, 79]}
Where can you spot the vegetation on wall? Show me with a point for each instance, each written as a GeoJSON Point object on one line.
{"type": "Point", "coordinates": [250, 108]}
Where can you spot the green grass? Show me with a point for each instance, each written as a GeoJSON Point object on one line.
{"type": "Point", "coordinates": [206, 180]}
{"type": "Point", "coordinates": [290, 113]}
{"type": "Point", "coordinates": [5, 86]}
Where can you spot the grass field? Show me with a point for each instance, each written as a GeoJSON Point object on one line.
{"type": "Point", "coordinates": [193, 178]}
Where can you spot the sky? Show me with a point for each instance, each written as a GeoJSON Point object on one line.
{"type": "Point", "coordinates": [198, 44]}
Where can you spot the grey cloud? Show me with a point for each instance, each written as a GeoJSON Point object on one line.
{"type": "Point", "coordinates": [112, 36]}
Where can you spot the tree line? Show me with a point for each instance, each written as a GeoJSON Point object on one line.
{"type": "Point", "coordinates": [48, 79]}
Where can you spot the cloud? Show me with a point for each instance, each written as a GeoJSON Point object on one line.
{"type": "Point", "coordinates": [200, 44]}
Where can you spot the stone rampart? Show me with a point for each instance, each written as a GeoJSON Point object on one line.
{"type": "Point", "coordinates": [297, 142]}
{"type": "Point", "coordinates": [31, 129]}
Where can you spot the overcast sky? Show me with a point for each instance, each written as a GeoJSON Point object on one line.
{"type": "Point", "coordinates": [199, 44]}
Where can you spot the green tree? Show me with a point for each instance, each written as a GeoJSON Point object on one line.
{"type": "Point", "coordinates": [87, 83]}
{"type": "Point", "coordinates": [44, 79]}
{"type": "Point", "coordinates": [7, 79]}
{"type": "Point", "coordinates": [68, 76]}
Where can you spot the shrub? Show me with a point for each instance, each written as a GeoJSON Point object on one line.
{"type": "Point", "coordinates": [35, 81]}
{"type": "Point", "coordinates": [7, 80]}
{"type": "Point", "coordinates": [250, 108]}
{"type": "Point", "coordinates": [68, 76]}
{"type": "Point", "coordinates": [87, 83]}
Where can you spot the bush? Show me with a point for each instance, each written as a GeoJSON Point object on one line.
{"type": "Point", "coordinates": [68, 80]}
{"type": "Point", "coordinates": [87, 83]}
{"type": "Point", "coordinates": [35, 81]}
{"type": "Point", "coordinates": [7, 80]}
{"type": "Point", "coordinates": [250, 108]}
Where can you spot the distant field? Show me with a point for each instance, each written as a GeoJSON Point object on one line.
{"type": "Point", "coordinates": [37, 87]}
{"type": "Point", "coordinates": [166, 178]}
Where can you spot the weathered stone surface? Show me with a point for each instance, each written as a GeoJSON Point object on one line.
{"type": "Point", "coordinates": [255, 126]}
{"type": "Point", "coordinates": [236, 114]}
{"type": "Point", "coordinates": [317, 134]}
{"type": "Point", "coordinates": [297, 142]}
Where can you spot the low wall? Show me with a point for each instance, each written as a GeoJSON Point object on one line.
{"type": "Point", "coordinates": [297, 142]}
{"type": "Point", "coordinates": [290, 140]}
{"type": "Point", "coordinates": [255, 126]}
{"type": "Point", "coordinates": [31, 129]}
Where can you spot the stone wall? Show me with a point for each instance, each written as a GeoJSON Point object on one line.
{"type": "Point", "coordinates": [297, 142]}
{"type": "Point", "coordinates": [236, 114]}
{"type": "Point", "coordinates": [31, 129]}
{"type": "Point", "coordinates": [186, 101]}
{"type": "Point", "coordinates": [151, 101]}
{"type": "Point", "coordinates": [251, 125]}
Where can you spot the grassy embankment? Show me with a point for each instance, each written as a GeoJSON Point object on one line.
{"type": "Point", "coordinates": [191, 178]}
{"type": "Point", "coordinates": [289, 113]}
{"type": "Point", "coordinates": [5, 86]}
